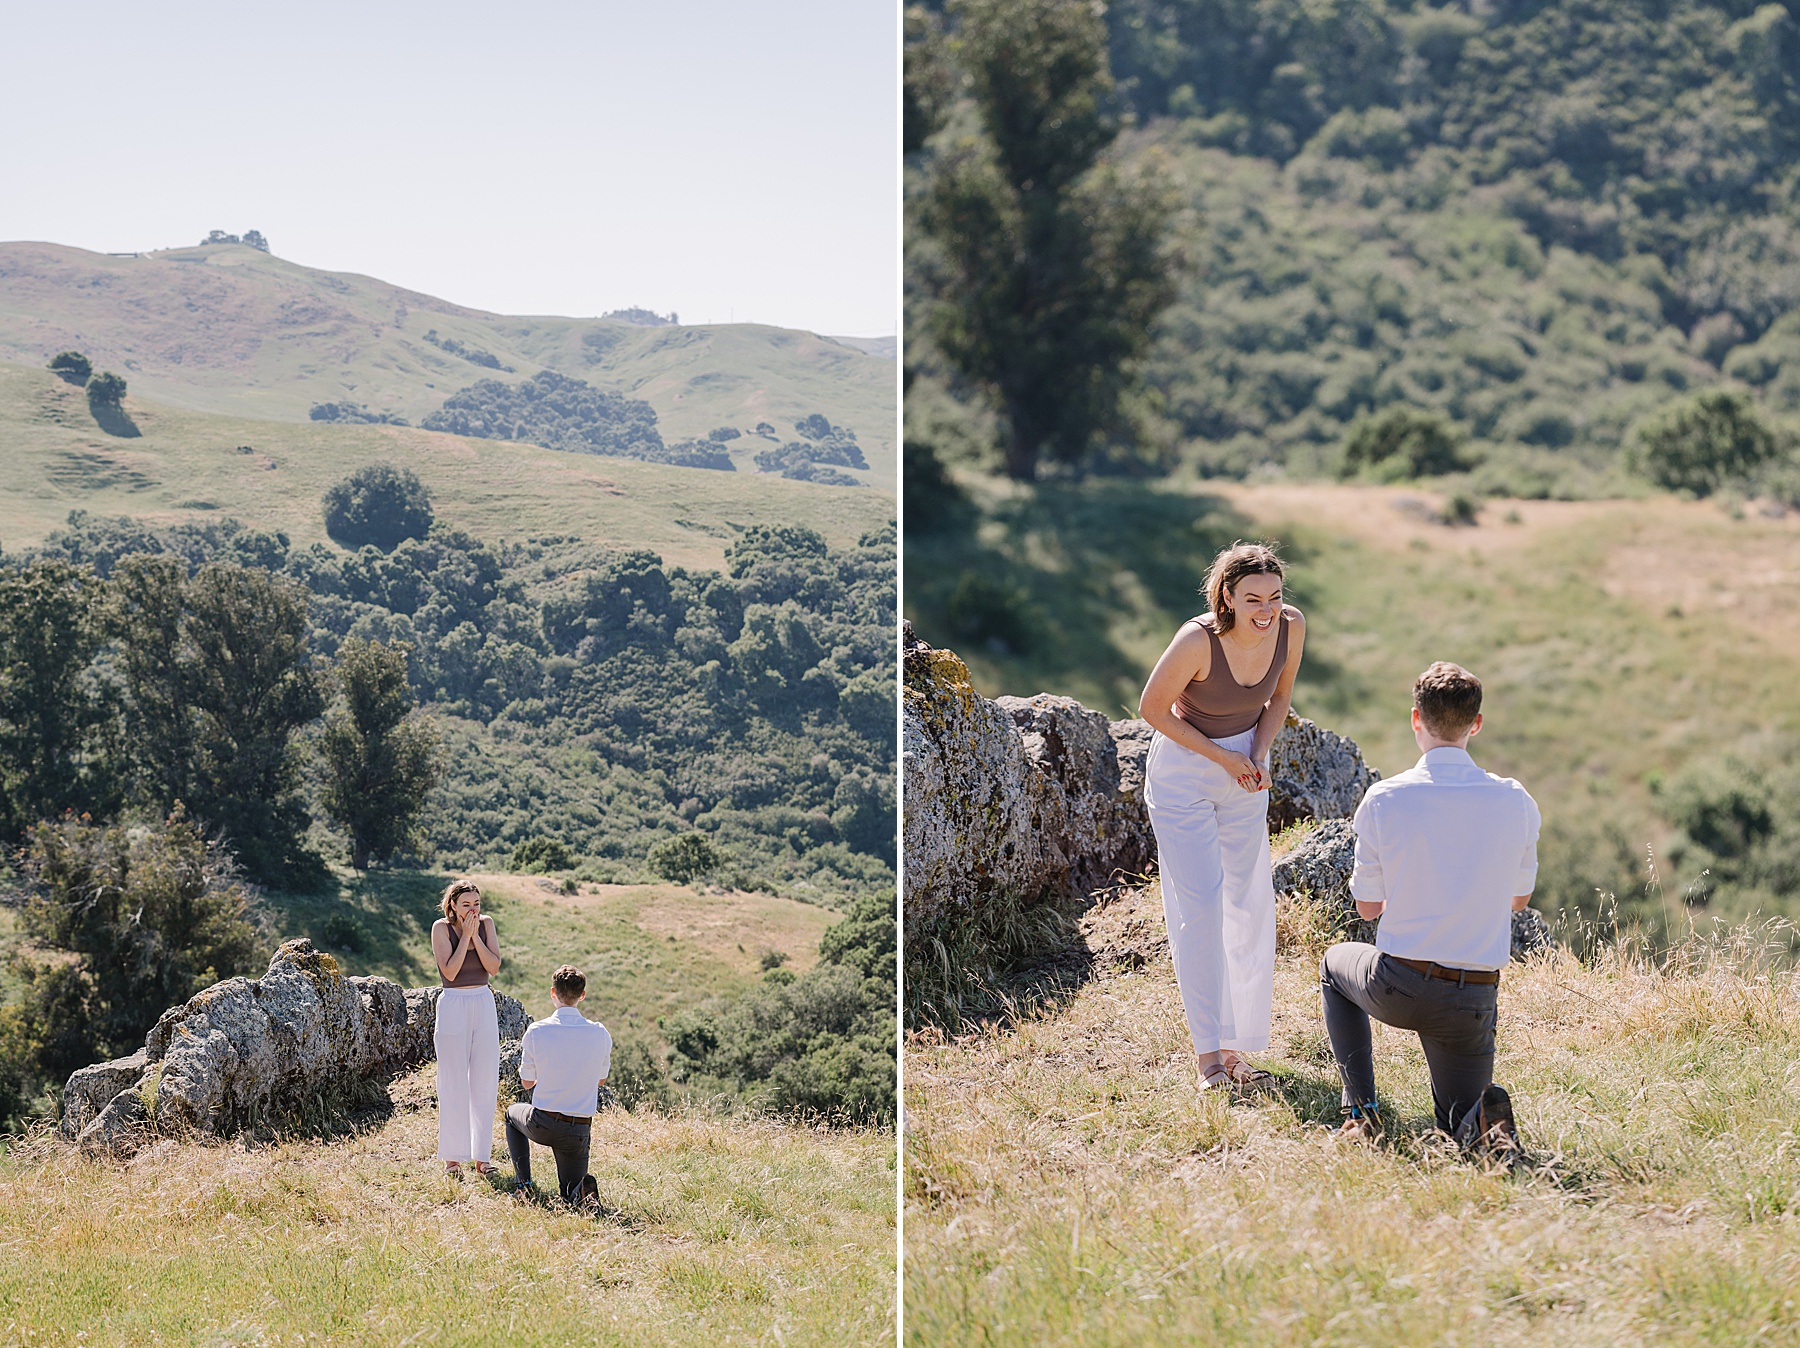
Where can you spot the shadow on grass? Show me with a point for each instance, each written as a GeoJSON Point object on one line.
{"type": "Point", "coordinates": [115, 421]}
{"type": "Point", "coordinates": [375, 923]}
{"type": "Point", "coordinates": [1039, 580]}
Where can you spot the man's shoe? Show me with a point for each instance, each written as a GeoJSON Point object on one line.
{"type": "Point", "coordinates": [1488, 1130]}
{"type": "Point", "coordinates": [588, 1195]}
{"type": "Point", "coordinates": [1363, 1125]}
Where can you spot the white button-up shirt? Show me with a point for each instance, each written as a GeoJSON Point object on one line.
{"type": "Point", "coordinates": [568, 1056]}
{"type": "Point", "coordinates": [1446, 846]}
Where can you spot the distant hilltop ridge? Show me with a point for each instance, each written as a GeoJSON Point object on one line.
{"type": "Point", "coordinates": [229, 328]}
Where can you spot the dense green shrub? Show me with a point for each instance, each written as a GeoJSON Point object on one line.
{"type": "Point", "coordinates": [1402, 443]}
{"type": "Point", "coordinates": [1710, 441]}
{"type": "Point", "coordinates": [555, 411]}
{"type": "Point", "coordinates": [819, 1044]}
{"type": "Point", "coordinates": [151, 915]}
{"type": "Point", "coordinates": [540, 856]}
{"type": "Point", "coordinates": [684, 858]}
{"type": "Point", "coordinates": [379, 506]}
{"type": "Point", "coordinates": [354, 414]}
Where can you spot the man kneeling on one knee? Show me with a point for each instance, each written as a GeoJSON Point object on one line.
{"type": "Point", "coordinates": [1445, 854]}
{"type": "Point", "coordinates": [563, 1061]}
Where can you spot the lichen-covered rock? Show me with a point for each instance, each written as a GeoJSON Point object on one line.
{"type": "Point", "coordinates": [92, 1089]}
{"type": "Point", "coordinates": [1106, 827]}
{"type": "Point", "coordinates": [117, 1129]}
{"type": "Point", "coordinates": [978, 811]}
{"type": "Point", "coordinates": [245, 1048]}
{"type": "Point", "coordinates": [1314, 773]}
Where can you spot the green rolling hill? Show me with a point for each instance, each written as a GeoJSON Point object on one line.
{"type": "Point", "coordinates": [230, 330]}
{"type": "Point", "coordinates": [191, 465]}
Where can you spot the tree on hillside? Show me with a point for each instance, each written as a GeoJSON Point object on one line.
{"type": "Point", "coordinates": [74, 367]}
{"type": "Point", "coordinates": [252, 688]}
{"type": "Point", "coordinates": [151, 915]}
{"type": "Point", "coordinates": [54, 718]}
{"type": "Point", "coordinates": [381, 758]}
{"type": "Point", "coordinates": [106, 401]}
{"type": "Point", "coordinates": [1047, 265]}
{"type": "Point", "coordinates": [1712, 440]}
{"type": "Point", "coordinates": [146, 619]}
{"type": "Point", "coordinates": [684, 858]}
{"type": "Point", "coordinates": [378, 504]}
{"type": "Point", "coordinates": [1402, 442]}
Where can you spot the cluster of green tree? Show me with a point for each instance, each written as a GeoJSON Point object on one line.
{"type": "Point", "coordinates": [558, 412]}
{"type": "Point", "coordinates": [252, 237]}
{"type": "Point", "coordinates": [817, 455]}
{"type": "Point", "coordinates": [72, 367]}
{"type": "Point", "coordinates": [473, 354]}
{"type": "Point", "coordinates": [1540, 226]}
{"type": "Point", "coordinates": [601, 699]}
{"type": "Point", "coordinates": [160, 683]}
{"type": "Point", "coordinates": [644, 318]}
{"type": "Point", "coordinates": [354, 414]}
{"type": "Point", "coordinates": [819, 1043]}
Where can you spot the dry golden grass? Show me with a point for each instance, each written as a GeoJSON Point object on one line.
{"type": "Point", "coordinates": [715, 1231]}
{"type": "Point", "coordinates": [1065, 1184]}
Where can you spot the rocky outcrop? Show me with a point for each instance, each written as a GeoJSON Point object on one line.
{"type": "Point", "coordinates": [245, 1049]}
{"type": "Point", "coordinates": [1319, 867]}
{"type": "Point", "coordinates": [1314, 773]}
{"type": "Point", "coordinates": [1040, 798]}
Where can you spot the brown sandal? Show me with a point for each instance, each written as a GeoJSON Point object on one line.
{"type": "Point", "coordinates": [1241, 1073]}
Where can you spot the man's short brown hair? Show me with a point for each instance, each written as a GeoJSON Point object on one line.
{"type": "Point", "coordinates": [569, 982]}
{"type": "Point", "coordinates": [1448, 698]}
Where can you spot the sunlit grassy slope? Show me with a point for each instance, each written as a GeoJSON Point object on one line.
{"type": "Point", "coordinates": [193, 465]}
{"type": "Point", "coordinates": [232, 330]}
{"type": "Point", "coordinates": [713, 1231]}
{"type": "Point", "coordinates": [648, 950]}
{"type": "Point", "coordinates": [1066, 1185]}
{"type": "Point", "coordinates": [1618, 640]}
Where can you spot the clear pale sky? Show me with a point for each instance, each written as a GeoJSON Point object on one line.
{"type": "Point", "coordinates": [722, 160]}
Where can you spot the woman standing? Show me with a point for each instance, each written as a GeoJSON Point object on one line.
{"type": "Point", "coordinates": [467, 1030]}
{"type": "Point", "coordinates": [1216, 699]}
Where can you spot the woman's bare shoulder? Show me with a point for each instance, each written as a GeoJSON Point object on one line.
{"type": "Point", "coordinates": [1294, 616]}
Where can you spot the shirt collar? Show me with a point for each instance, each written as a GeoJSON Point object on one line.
{"type": "Point", "coordinates": [1445, 755]}
{"type": "Point", "coordinates": [568, 1015]}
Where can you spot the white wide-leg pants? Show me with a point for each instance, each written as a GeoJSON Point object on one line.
{"type": "Point", "coordinates": [1212, 847]}
{"type": "Point", "coordinates": [467, 1036]}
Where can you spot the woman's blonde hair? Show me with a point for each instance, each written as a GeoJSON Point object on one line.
{"type": "Point", "coordinates": [1229, 567]}
{"type": "Point", "coordinates": [452, 891]}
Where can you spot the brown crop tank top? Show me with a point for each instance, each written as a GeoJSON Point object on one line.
{"type": "Point", "coordinates": [1218, 706]}
{"type": "Point", "coordinates": [473, 973]}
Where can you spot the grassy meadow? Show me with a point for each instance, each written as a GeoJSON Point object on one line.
{"type": "Point", "coordinates": [190, 466]}
{"type": "Point", "coordinates": [1619, 640]}
{"type": "Point", "coordinates": [712, 1231]}
{"type": "Point", "coordinates": [1065, 1184]}
{"type": "Point", "coordinates": [648, 950]}
{"type": "Point", "coordinates": [231, 330]}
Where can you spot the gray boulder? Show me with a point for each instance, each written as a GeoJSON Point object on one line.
{"type": "Point", "coordinates": [244, 1049]}
{"type": "Point", "coordinates": [91, 1089]}
{"type": "Point", "coordinates": [1314, 774]}
{"type": "Point", "coordinates": [119, 1128]}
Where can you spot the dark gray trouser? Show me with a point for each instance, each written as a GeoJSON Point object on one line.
{"type": "Point", "coordinates": [1455, 1025]}
{"type": "Point", "coordinates": [568, 1143]}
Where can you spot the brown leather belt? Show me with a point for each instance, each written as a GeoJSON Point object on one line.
{"type": "Point", "coordinates": [579, 1120]}
{"type": "Point", "coordinates": [1449, 975]}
